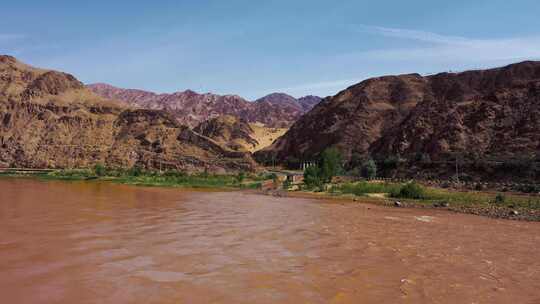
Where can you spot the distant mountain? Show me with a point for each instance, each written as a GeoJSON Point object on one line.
{"type": "Point", "coordinates": [483, 117]}
{"type": "Point", "coordinates": [190, 108]}
{"type": "Point", "coordinates": [308, 102]}
{"type": "Point", "coordinates": [283, 100]}
{"type": "Point", "coordinates": [48, 119]}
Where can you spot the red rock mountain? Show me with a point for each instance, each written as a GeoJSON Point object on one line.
{"type": "Point", "coordinates": [48, 119]}
{"type": "Point", "coordinates": [190, 108]}
{"type": "Point", "coordinates": [484, 115]}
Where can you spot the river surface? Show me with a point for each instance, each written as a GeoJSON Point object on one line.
{"type": "Point", "coordinates": [104, 243]}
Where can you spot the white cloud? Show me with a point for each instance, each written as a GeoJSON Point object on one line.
{"type": "Point", "coordinates": [414, 35]}
{"type": "Point", "coordinates": [429, 53]}
{"type": "Point", "coordinates": [455, 48]}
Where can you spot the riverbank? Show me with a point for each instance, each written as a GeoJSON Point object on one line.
{"type": "Point", "coordinates": [149, 178]}
{"type": "Point", "coordinates": [514, 206]}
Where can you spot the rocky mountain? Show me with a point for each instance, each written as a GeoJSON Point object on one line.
{"type": "Point", "coordinates": [475, 116]}
{"type": "Point", "coordinates": [281, 99]}
{"type": "Point", "coordinates": [229, 131]}
{"type": "Point", "coordinates": [49, 119]}
{"type": "Point", "coordinates": [238, 134]}
{"type": "Point", "coordinates": [308, 102]}
{"type": "Point", "coordinates": [190, 108]}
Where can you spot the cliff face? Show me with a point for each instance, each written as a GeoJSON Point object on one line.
{"type": "Point", "coordinates": [49, 119]}
{"type": "Point", "coordinates": [478, 114]}
{"type": "Point", "coordinates": [191, 108]}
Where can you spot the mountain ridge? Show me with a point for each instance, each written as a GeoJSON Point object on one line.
{"type": "Point", "coordinates": [478, 114]}
{"type": "Point", "coordinates": [191, 108]}
{"type": "Point", "coordinates": [48, 119]}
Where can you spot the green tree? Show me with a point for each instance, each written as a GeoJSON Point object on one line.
{"type": "Point", "coordinates": [312, 177]}
{"type": "Point", "coordinates": [331, 164]}
{"type": "Point", "coordinates": [369, 168]}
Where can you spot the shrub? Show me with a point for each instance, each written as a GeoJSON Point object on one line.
{"type": "Point", "coordinates": [410, 190]}
{"type": "Point", "coordinates": [135, 171]}
{"type": "Point", "coordinates": [500, 198]}
{"type": "Point", "coordinates": [312, 177]}
{"type": "Point", "coordinates": [100, 170]}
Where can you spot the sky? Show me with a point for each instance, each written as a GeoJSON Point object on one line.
{"type": "Point", "coordinates": [253, 48]}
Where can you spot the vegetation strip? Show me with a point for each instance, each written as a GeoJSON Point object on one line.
{"type": "Point", "coordinates": [138, 176]}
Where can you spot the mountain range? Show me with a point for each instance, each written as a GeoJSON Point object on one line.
{"type": "Point", "coordinates": [49, 119]}
{"type": "Point", "coordinates": [484, 121]}
{"type": "Point", "coordinates": [276, 110]}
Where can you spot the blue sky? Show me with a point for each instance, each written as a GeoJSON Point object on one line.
{"type": "Point", "coordinates": [252, 48]}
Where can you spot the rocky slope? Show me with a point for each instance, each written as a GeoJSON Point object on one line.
{"type": "Point", "coordinates": [48, 119]}
{"type": "Point", "coordinates": [229, 131]}
{"type": "Point", "coordinates": [237, 134]}
{"type": "Point", "coordinates": [190, 108]}
{"type": "Point", "coordinates": [476, 116]}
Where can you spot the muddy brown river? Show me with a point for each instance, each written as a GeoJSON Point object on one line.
{"type": "Point", "coordinates": [104, 243]}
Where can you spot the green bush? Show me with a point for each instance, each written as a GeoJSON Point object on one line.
{"type": "Point", "coordinates": [135, 171]}
{"type": "Point", "coordinates": [312, 177]}
{"type": "Point", "coordinates": [100, 170]}
{"type": "Point", "coordinates": [500, 198]}
{"type": "Point", "coordinates": [410, 190]}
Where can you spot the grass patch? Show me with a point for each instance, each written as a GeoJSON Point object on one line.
{"type": "Point", "coordinates": [427, 195]}
{"type": "Point", "coordinates": [363, 188]}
